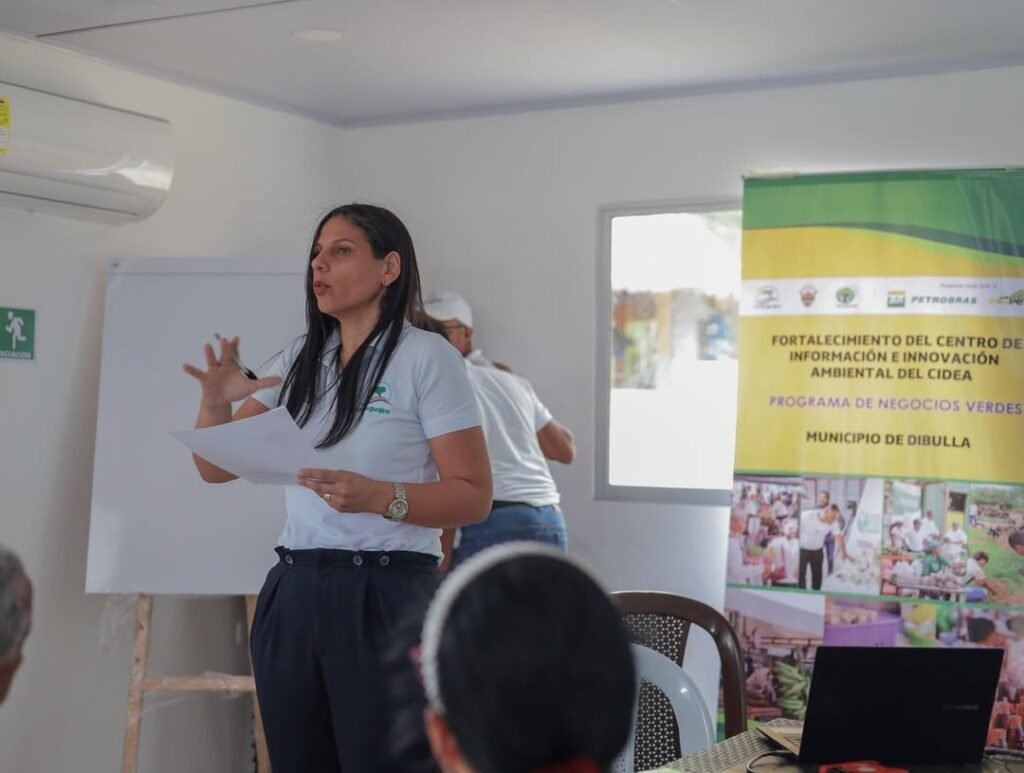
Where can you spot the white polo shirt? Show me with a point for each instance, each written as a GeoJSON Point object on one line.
{"type": "Point", "coordinates": [956, 542]}
{"type": "Point", "coordinates": [813, 530]}
{"type": "Point", "coordinates": [929, 528]}
{"type": "Point", "coordinates": [424, 393]}
{"type": "Point", "coordinates": [512, 415]}
{"type": "Point", "coordinates": [914, 539]}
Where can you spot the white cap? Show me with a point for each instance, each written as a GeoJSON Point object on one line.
{"type": "Point", "coordinates": [447, 305]}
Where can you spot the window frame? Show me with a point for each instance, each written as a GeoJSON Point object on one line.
{"type": "Point", "coordinates": [604, 490]}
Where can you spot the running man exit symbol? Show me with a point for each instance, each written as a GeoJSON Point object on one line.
{"type": "Point", "coordinates": [17, 334]}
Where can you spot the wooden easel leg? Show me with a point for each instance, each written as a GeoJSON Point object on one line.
{"type": "Point", "coordinates": [258, 736]}
{"type": "Point", "coordinates": [140, 655]}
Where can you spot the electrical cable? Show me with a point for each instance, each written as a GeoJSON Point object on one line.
{"type": "Point", "coordinates": [772, 753]}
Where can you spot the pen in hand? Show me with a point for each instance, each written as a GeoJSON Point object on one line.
{"type": "Point", "coordinates": [238, 363]}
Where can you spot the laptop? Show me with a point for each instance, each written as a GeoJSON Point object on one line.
{"type": "Point", "coordinates": [897, 705]}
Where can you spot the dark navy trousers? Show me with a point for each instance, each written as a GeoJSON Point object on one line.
{"type": "Point", "coordinates": [323, 623]}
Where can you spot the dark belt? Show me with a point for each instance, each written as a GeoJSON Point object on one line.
{"type": "Point", "coordinates": [338, 557]}
{"type": "Point", "coordinates": [497, 504]}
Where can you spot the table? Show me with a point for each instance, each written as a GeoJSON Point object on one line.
{"type": "Point", "coordinates": [956, 595]}
{"type": "Point", "coordinates": [730, 752]}
{"type": "Point", "coordinates": [735, 752]}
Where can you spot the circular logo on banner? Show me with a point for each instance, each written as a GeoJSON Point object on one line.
{"type": "Point", "coordinates": [846, 296]}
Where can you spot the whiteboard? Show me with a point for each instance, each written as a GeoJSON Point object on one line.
{"type": "Point", "coordinates": [155, 526]}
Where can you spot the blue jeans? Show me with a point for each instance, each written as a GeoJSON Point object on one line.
{"type": "Point", "coordinates": [513, 523]}
{"type": "Point", "coordinates": [975, 593]}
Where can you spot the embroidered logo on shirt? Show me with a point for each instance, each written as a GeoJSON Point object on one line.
{"type": "Point", "coordinates": [380, 400]}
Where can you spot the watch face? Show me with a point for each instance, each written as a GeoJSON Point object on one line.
{"type": "Point", "coordinates": [398, 509]}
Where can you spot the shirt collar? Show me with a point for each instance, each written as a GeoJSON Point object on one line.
{"type": "Point", "coordinates": [333, 343]}
{"type": "Point", "coordinates": [476, 357]}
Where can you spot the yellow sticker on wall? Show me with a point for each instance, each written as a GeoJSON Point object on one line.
{"type": "Point", "coordinates": [5, 123]}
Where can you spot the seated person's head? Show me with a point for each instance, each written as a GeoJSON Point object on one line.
{"type": "Point", "coordinates": [1016, 541]}
{"type": "Point", "coordinates": [527, 667]}
{"type": "Point", "coordinates": [15, 616]}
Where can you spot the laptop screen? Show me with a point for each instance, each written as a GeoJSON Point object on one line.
{"type": "Point", "coordinates": [900, 704]}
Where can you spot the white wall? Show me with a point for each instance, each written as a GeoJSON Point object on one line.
{"type": "Point", "coordinates": [248, 182]}
{"type": "Point", "coordinates": [505, 210]}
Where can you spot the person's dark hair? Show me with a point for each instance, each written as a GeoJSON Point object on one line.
{"type": "Point", "coordinates": [431, 325]}
{"type": "Point", "coordinates": [533, 667]}
{"type": "Point", "coordinates": [301, 390]}
{"type": "Point", "coordinates": [981, 555]}
{"type": "Point", "coordinates": [979, 628]}
{"type": "Point", "coordinates": [1016, 538]}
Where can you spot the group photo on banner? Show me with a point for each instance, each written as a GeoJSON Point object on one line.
{"type": "Point", "coordinates": [878, 497]}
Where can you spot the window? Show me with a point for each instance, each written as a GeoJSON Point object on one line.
{"type": "Point", "coordinates": [668, 318]}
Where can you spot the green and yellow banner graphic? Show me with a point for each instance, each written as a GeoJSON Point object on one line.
{"type": "Point", "coordinates": [879, 491]}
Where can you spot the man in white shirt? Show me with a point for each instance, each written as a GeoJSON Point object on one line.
{"type": "Point", "coordinates": [978, 585]}
{"type": "Point", "coordinates": [914, 538]}
{"type": "Point", "coordinates": [956, 542]}
{"type": "Point", "coordinates": [779, 508]}
{"type": "Point", "coordinates": [815, 526]}
{"type": "Point", "coordinates": [521, 436]}
{"type": "Point", "coordinates": [929, 528]}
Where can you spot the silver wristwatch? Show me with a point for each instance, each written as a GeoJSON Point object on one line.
{"type": "Point", "coordinates": [398, 508]}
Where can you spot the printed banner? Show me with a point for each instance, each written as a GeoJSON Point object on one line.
{"type": "Point", "coordinates": [879, 491]}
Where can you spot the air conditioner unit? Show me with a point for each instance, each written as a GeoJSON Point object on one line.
{"type": "Point", "coordinates": [76, 158]}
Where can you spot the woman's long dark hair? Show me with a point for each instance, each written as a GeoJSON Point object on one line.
{"type": "Point", "coordinates": [302, 391]}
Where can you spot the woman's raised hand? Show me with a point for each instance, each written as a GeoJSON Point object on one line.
{"type": "Point", "coordinates": [223, 381]}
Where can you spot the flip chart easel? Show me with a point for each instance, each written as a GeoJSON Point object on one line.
{"type": "Point", "coordinates": [218, 683]}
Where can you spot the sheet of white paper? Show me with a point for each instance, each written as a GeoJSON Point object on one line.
{"type": "Point", "coordinates": [268, 448]}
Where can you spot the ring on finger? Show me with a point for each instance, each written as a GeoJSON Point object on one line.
{"type": "Point", "coordinates": [327, 497]}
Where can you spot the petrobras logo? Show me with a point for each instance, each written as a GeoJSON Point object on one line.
{"type": "Point", "coordinates": [897, 299]}
{"type": "Point", "coordinates": [767, 297]}
{"type": "Point", "coordinates": [943, 300]}
{"type": "Point", "coordinates": [807, 295]}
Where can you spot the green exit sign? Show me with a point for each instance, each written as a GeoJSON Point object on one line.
{"type": "Point", "coordinates": [17, 334]}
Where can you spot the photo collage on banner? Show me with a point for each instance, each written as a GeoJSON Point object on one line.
{"type": "Point", "coordinates": [879, 489]}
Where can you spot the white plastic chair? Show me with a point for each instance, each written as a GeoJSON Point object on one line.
{"type": "Point", "coordinates": [696, 728]}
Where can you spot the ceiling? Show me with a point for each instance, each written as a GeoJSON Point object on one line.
{"type": "Point", "coordinates": [401, 60]}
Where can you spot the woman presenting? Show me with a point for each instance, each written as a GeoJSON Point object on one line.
{"type": "Point", "coordinates": [393, 415]}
